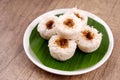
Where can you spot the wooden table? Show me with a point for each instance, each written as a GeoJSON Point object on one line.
{"type": "Point", "coordinates": [16, 15]}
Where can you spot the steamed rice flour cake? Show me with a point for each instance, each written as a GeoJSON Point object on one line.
{"type": "Point", "coordinates": [89, 39]}
{"type": "Point", "coordinates": [60, 48]}
{"type": "Point", "coordinates": [46, 27]}
{"type": "Point", "coordinates": [68, 26]}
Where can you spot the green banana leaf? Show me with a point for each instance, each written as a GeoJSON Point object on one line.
{"type": "Point", "coordinates": [80, 60]}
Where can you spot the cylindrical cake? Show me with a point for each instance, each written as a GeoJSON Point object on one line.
{"type": "Point", "coordinates": [46, 27]}
{"type": "Point", "coordinates": [68, 26]}
{"type": "Point", "coordinates": [89, 39]}
{"type": "Point", "coordinates": [60, 48]}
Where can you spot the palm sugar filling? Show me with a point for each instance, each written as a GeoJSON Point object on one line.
{"type": "Point", "coordinates": [88, 34]}
{"type": "Point", "coordinates": [49, 24]}
{"type": "Point", "coordinates": [77, 15]}
{"type": "Point", "coordinates": [63, 43]}
{"type": "Point", "coordinates": [69, 22]}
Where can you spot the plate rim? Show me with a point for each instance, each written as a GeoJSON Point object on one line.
{"type": "Point", "coordinates": [32, 57]}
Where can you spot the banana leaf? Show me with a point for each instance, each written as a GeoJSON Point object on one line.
{"type": "Point", "coordinates": [80, 60]}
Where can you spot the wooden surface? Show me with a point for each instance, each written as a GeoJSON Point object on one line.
{"type": "Point", "coordinates": [16, 15]}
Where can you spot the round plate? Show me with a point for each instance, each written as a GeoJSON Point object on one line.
{"type": "Point", "coordinates": [37, 62]}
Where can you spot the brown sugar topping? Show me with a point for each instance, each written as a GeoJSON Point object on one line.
{"type": "Point", "coordinates": [63, 43]}
{"type": "Point", "coordinates": [88, 35]}
{"type": "Point", "coordinates": [49, 24]}
{"type": "Point", "coordinates": [77, 15]}
{"type": "Point", "coordinates": [69, 22]}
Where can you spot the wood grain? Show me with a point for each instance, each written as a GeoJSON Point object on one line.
{"type": "Point", "coordinates": [16, 15]}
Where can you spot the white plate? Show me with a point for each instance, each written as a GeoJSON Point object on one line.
{"type": "Point", "coordinates": [35, 60]}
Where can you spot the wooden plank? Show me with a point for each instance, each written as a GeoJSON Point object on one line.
{"type": "Point", "coordinates": [16, 15]}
